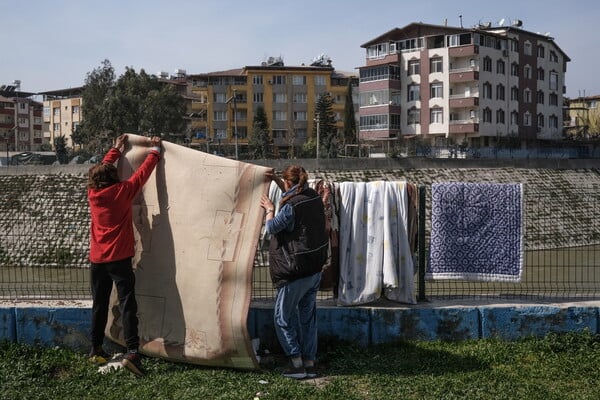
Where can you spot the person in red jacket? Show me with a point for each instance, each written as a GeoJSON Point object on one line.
{"type": "Point", "coordinates": [112, 248]}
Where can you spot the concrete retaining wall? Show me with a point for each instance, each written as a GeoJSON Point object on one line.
{"type": "Point", "coordinates": [68, 326]}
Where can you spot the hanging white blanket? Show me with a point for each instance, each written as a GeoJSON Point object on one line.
{"type": "Point", "coordinates": [374, 248]}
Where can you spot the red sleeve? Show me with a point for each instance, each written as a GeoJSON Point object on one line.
{"type": "Point", "coordinates": [141, 175]}
{"type": "Point", "coordinates": [112, 156]}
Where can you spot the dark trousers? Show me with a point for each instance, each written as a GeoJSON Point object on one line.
{"type": "Point", "coordinates": [102, 277]}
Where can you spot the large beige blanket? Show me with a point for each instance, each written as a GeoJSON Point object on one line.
{"type": "Point", "coordinates": [197, 223]}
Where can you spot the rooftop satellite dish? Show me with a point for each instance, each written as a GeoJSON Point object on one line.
{"type": "Point", "coordinates": [501, 22]}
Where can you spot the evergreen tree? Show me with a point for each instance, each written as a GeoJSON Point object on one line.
{"type": "Point", "coordinates": [328, 136]}
{"type": "Point", "coordinates": [349, 117]}
{"type": "Point", "coordinates": [260, 142]}
{"type": "Point", "coordinates": [60, 147]}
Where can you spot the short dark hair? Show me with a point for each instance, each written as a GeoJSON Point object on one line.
{"type": "Point", "coordinates": [102, 175]}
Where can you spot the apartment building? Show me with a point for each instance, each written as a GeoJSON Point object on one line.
{"type": "Point", "coordinates": [62, 114]}
{"type": "Point", "coordinates": [475, 85]}
{"type": "Point", "coordinates": [225, 102]}
{"type": "Point", "coordinates": [20, 120]}
{"type": "Point", "coordinates": [583, 117]}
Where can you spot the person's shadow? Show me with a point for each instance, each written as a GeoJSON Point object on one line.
{"type": "Point", "coordinates": [161, 325]}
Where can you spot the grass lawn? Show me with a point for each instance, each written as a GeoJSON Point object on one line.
{"type": "Point", "coordinates": [555, 367]}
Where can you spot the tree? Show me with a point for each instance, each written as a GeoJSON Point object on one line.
{"type": "Point", "coordinates": [260, 142]}
{"type": "Point", "coordinates": [349, 117]}
{"type": "Point", "coordinates": [60, 147]}
{"type": "Point", "coordinates": [135, 103]}
{"type": "Point", "coordinates": [328, 140]}
{"type": "Point", "coordinates": [98, 85]}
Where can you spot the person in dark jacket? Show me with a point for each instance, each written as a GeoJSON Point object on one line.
{"type": "Point", "coordinates": [297, 253]}
{"type": "Point", "coordinates": [112, 247]}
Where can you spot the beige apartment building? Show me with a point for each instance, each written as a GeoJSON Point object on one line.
{"type": "Point", "coordinates": [62, 114]}
{"type": "Point", "coordinates": [225, 102]}
{"type": "Point", "coordinates": [452, 84]}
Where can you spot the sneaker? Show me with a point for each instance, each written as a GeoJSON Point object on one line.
{"type": "Point", "coordinates": [311, 372]}
{"type": "Point", "coordinates": [133, 362]}
{"type": "Point", "coordinates": [294, 372]}
{"type": "Point", "coordinates": [98, 356]}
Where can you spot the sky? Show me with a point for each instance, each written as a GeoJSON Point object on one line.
{"type": "Point", "coordinates": [52, 45]}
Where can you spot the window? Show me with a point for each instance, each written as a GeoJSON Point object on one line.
{"type": "Point", "coordinates": [257, 79]}
{"type": "Point", "coordinates": [56, 111]}
{"type": "Point", "coordinates": [279, 133]}
{"type": "Point", "coordinates": [320, 80]}
{"type": "Point", "coordinates": [500, 92]}
{"type": "Point", "coordinates": [396, 98]}
{"type": "Point", "coordinates": [299, 115]}
{"type": "Point", "coordinates": [553, 121]}
{"type": "Point", "coordinates": [540, 120]}
{"type": "Point", "coordinates": [300, 98]}
{"type": "Point", "coordinates": [413, 116]}
{"type": "Point", "coordinates": [437, 116]}
{"type": "Point", "coordinates": [500, 116]}
{"type": "Point", "coordinates": [395, 121]}
{"type": "Point", "coordinates": [553, 99]}
{"type": "Point", "coordinates": [487, 64]}
{"type": "Point", "coordinates": [414, 92]}
{"type": "Point", "coordinates": [279, 98]}
{"type": "Point", "coordinates": [219, 97]}
{"type": "Point", "coordinates": [487, 115]}
{"type": "Point", "coordinates": [514, 93]}
{"type": "Point", "coordinates": [258, 97]}
{"type": "Point", "coordinates": [527, 96]}
{"type": "Point", "coordinates": [380, 72]}
{"type": "Point", "coordinates": [300, 133]}
{"type": "Point", "coordinates": [541, 74]}
{"type": "Point", "coordinates": [553, 56]}
{"type": "Point", "coordinates": [298, 80]}
{"type": "Point", "coordinates": [527, 48]}
{"type": "Point", "coordinates": [514, 69]}
{"type": "Point", "coordinates": [553, 80]}
{"type": "Point", "coordinates": [527, 72]}
{"type": "Point", "coordinates": [437, 90]}
{"type": "Point", "coordinates": [414, 67]}
{"type": "Point", "coordinates": [514, 45]}
{"type": "Point", "coordinates": [220, 133]}
{"type": "Point", "coordinates": [375, 98]}
{"type": "Point", "coordinates": [220, 116]}
{"type": "Point", "coordinates": [377, 51]}
{"type": "Point", "coordinates": [279, 116]}
{"type": "Point", "coordinates": [541, 51]}
{"type": "Point", "coordinates": [514, 118]}
{"type": "Point", "coordinates": [540, 97]}
{"type": "Point", "coordinates": [278, 80]}
{"type": "Point", "coordinates": [371, 122]}
{"type": "Point", "coordinates": [500, 67]}
{"type": "Point", "coordinates": [487, 90]}
{"type": "Point", "coordinates": [437, 65]}
{"type": "Point", "coordinates": [527, 118]}
{"type": "Point", "coordinates": [57, 127]}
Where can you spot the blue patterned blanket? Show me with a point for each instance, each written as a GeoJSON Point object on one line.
{"type": "Point", "coordinates": [476, 232]}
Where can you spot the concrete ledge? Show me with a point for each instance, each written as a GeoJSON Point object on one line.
{"type": "Point", "coordinates": [68, 326]}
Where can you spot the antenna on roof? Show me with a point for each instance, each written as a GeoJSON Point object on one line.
{"type": "Point", "coordinates": [460, 18]}
{"type": "Point", "coordinates": [501, 22]}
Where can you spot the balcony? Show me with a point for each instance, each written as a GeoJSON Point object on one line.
{"type": "Point", "coordinates": [463, 51]}
{"type": "Point", "coordinates": [464, 75]}
{"type": "Point", "coordinates": [464, 126]}
{"type": "Point", "coordinates": [463, 101]}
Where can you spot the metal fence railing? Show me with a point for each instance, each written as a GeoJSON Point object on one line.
{"type": "Point", "coordinates": [44, 238]}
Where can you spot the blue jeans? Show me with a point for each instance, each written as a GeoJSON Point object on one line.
{"type": "Point", "coordinates": [295, 317]}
